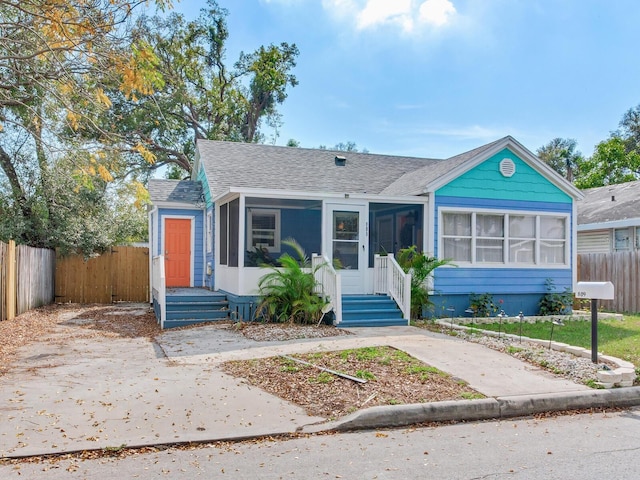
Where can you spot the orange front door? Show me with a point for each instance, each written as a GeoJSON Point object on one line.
{"type": "Point", "coordinates": [177, 252]}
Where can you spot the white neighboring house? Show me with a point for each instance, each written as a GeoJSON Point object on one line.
{"type": "Point", "coordinates": [609, 219]}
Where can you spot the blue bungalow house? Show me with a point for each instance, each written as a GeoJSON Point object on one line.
{"type": "Point", "coordinates": [504, 218]}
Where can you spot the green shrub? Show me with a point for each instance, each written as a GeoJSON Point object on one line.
{"type": "Point", "coordinates": [482, 304]}
{"type": "Point", "coordinates": [553, 302]}
{"type": "Point", "coordinates": [287, 293]}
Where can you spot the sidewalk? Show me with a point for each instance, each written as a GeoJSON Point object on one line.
{"type": "Point", "coordinates": [105, 393]}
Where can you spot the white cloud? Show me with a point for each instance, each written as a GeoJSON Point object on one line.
{"type": "Point", "coordinates": [406, 14]}
{"type": "Point", "coordinates": [383, 11]}
{"type": "Point", "coordinates": [436, 12]}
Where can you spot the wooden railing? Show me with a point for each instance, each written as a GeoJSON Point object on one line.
{"type": "Point", "coordinates": [159, 289]}
{"type": "Point", "coordinates": [390, 279]}
{"type": "Point", "coordinates": [328, 283]}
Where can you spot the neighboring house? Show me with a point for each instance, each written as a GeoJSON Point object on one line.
{"type": "Point", "coordinates": [609, 219]}
{"type": "Point", "coordinates": [505, 219]}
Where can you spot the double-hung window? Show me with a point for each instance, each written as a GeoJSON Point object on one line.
{"type": "Point", "coordinates": [264, 229]}
{"type": "Point", "coordinates": [506, 238]}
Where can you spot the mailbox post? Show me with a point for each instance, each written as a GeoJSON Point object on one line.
{"type": "Point", "coordinates": [595, 291]}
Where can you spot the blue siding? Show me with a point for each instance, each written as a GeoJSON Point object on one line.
{"type": "Point", "coordinates": [198, 240]}
{"type": "Point", "coordinates": [520, 289]}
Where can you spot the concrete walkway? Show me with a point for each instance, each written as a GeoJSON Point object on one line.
{"type": "Point", "coordinates": [95, 392]}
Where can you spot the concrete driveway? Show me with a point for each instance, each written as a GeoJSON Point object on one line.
{"type": "Point", "coordinates": [71, 391]}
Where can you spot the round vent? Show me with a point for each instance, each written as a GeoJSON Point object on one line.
{"type": "Point", "coordinates": [507, 167]}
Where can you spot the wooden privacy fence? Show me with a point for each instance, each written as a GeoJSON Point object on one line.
{"type": "Point", "coordinates": [118, 275]}
{"type": "Point", "coordinates": [26, 278]}
{"type": "Point", "coordinates": [620, 268]}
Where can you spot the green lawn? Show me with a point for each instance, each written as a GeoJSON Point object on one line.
{"type": "Point", "coordinates": [618, 338]}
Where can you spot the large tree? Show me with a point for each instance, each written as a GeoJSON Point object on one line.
{"type": "Point", "coordinates": [561, 155]}
{"type": "Point", "coordinates": [617, 159]}
{"type": "Point", "coordinates": [52, 55]}
{"type": "Point", "coordinates": [202, 96]}
{"type": "Point", "coordinates": [92, 94]}
{"type": "Point", "coordinates": [612, 162]}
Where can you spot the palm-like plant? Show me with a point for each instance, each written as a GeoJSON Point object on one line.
{"type": "Point", "coordinates": [288, 292]}
{"type": "Point", "coordinates": [421, 267]}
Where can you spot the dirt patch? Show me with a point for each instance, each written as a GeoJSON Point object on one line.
{"type": "Point", "coordinates": [393, 377]}
{"type": "Point", "coordinates": [73, 321]}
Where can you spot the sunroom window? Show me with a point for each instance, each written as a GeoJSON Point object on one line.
{"type": "Point", "coordinates": [522, 238]}
{"type": "Point", "coordinates": [478, 238]}
{"type": "Point", "coordinates": [457, 236]}
{"type": "Point", "coordinates": [489, 238]}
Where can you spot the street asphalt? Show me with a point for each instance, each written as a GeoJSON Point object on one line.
{"type": "Point", "coordinates": [103, 393]}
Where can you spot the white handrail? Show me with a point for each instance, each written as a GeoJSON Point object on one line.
{"type": "Point", "coordinates": [390, 279]}
{"type": "Point", "coordinates": [159, 288]}
{"type": "Point", "coordinates": [328, 283]}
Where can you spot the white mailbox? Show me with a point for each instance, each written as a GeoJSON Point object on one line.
{"type": "Point", "coordinates": [595, 290]}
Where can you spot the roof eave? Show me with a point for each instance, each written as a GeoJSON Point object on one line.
{"type": "Point", "coordinates": [270, 193]}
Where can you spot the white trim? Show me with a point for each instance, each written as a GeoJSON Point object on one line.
{"type": "Point", "coordinates": [569, 239]}
{"type": "Point", "coordinates": [209, 230]}
{"type": "Point", "coordinates": [178, 205]}
{"type": "Point", "coordinates": [362, 244]}
{"type": "Point", "coordinates": [345, 197]}
{"type": "Point", "coordinates": [192, 218]}
{"type": "Point", "coordinates": [242, 234]}
{"type": "Point", "coordinates": [628, 222]}
{"type": "Point", "coordinates": [152, 247]}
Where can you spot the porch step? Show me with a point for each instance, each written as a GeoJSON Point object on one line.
{"type": "Point", "coordinates": [190, 306]}
{"type": "Point", "coordinates": [370, 311]}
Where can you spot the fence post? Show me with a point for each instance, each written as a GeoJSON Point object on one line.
{"type": "Point", "coordinates": [12, 280]}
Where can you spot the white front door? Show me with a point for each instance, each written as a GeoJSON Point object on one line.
{"type": "Point", "coordinates": [347, 243]}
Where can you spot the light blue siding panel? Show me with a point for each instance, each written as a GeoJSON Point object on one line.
{"type": "Point", "coordinates": [486, 181]}
{"type": "Point", "coordinates": [202, 178]}
{"type": "Point", "coordinates": [499, 280]}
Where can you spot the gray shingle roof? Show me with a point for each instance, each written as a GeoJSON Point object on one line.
{"type": "Point", "coordinates": [180, 191]}
{"type": "Point", "coordinates": [414, 183]}
{"type": "Point", "coordinates": [597, 206]}
{"type": "Point", "coordinates": [229, 164]}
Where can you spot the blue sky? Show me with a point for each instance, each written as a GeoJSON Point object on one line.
{"type": "Point", "coordinates": [434, 78]}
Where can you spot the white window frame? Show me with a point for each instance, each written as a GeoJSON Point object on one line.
{"type": "Point", "coordinates": [209, 231]}
{"type": "Point", "coordinates": [277, 231]}
{"type": "Point", "coordinates": [506, 263]}
{"type": "Point", "coordinates": [637, 240]}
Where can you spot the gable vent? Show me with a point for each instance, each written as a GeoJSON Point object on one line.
{"type": "Point", "coordinates": [340, 161]}
{"type": "Point", "coordinates": [507, 167]}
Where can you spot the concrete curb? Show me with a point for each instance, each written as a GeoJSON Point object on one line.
{"type": "Point", "coordinates": [483, 409]}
